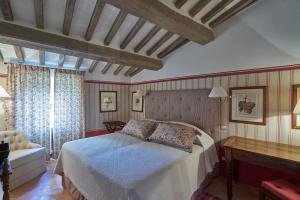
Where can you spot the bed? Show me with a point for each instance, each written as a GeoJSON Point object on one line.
{"type": "Point", "coordinates": [119, 166]}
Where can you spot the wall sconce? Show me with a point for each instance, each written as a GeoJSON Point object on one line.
{"type": "Point", "coordinates": [141, 93]}
{"type": "Point", "coordinates": [218, 92]}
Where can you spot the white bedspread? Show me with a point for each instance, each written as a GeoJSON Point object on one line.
{"type": "Point", "coordinates": [119, 167]}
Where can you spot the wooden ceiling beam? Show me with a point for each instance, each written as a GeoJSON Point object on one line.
{"type": "Point", "coordinates": [179, 3]}
{"type": "Point", "coordinates": [160, 42]}
{"type": "Point", "coordinates": [78, 62]}
{"type": "Point", "coordinates": [215, 10]}
{"type": "Point", "coordinates": [42, 57]}
{"type": "Point", "coordinates": [173, 46]}
{"type": "Point", "coordinates": [93, 66]}
{"type": "Point", "coordinates": [61, 60]}
{"type": "Point", "coordinates": [198, 7]}
{"type": "Point", "coordinates": [147, 38]}
{"type": "Point", "coordinates": [130, 71]}
{"type": "Point", "coordinates": [243, 4]}
{"type": "Point", "coordinates": [39, 13]}
{"type": "Point", "coordinates": [118, 70]}
{"type": "Point", "coordinates": [94, 20]}
{"type": "Point", "coordinates": [19, 53]}
{"type": "Point", "coordinates": [1, 56]}
{"type": "Point", "coordinates": [106, 68]}
{"type": "Point", "coordinates": [136, 28]}
{"type": "Point", "coordinates": [37, 39]}
{"type": "Point", "coordinates": [69, 11]}
{"type": "Point", "coordinates": [135, 72]}
{"type": "Point", "coordinates": [160, 14]}
{"type": "Point", "coordinates": [115, 27]}
{"type": "Point", "coordinates": [6, 10]}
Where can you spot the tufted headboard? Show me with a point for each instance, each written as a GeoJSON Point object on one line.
{"type": "Point", "coordinates": [190, 106]}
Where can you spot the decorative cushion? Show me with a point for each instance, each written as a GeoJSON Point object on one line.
{"type": "Point", "coordinates": [139, 128]}
{"type": "Point", "coordinates": [283, 189]}
{"type": "Point", "coordinates": [175, 135]}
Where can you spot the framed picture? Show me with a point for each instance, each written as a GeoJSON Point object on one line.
{"type": "Point", "coordinates": [248, 105]}
{"type": "Point", "coordinates": [295, 97]}
{"type": "Point", "coordinates": [137, 103]}
{"type": "Point", "coordinates": [108, 101]}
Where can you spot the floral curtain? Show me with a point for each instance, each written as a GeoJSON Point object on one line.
{"type": "Point", "coordinates": [28, 110]}
{"type": "Point", "coordinates": [68, 108]}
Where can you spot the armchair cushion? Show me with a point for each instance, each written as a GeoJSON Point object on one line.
{"type": "Point", "coordinates": [17, 140]}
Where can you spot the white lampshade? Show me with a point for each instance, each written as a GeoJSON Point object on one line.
{"type": "Point", "coordinates": [141, 93]}
{"type": "Point", "coordinates": [297, 108]}
{"type": "Point", "coordinates": [3, 93]}
{"type": "Point", "coordinates": [218, 92]}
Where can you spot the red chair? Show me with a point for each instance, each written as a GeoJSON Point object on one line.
{"type": "Point", "coordinates": [280, 190]}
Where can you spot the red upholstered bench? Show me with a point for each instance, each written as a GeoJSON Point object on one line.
{"type": "Point", "coordinates": [280, 189]}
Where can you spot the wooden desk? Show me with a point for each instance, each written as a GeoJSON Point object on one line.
{"type": "Point", "coordinates": [267, 154]}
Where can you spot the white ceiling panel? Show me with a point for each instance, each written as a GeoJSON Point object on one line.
{"type": "Point", "coordinates": [31, 55]}
{"type": "Point", "coordinates": [51, 58]}
{"type": "Point", "coordinates": [54, 12]}
{"type": "Point", "coordinates": [167, 43]}
{"type": "Point", "coordinates": [154, 40]}
{"type": "Point", "coordinates": [23, 11]}
{"type": "Point", "coordinates": [125, 28]}
{"type": "Point", "coordinates": [70, 61]}
{"type": "Point", "coordinates": [81, 17]}
{"type": "Point", "coordinates": [139, 36]}
{"type": "Point", "coordinates": [107, 18]}
{"type": "Point", "coordinates": [7, 51]}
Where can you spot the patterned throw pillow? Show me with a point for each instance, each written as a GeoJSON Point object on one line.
{"type": "Point", "coordinates": [175, 135]}
{"type": "Point", "coordinates": [139, 128]}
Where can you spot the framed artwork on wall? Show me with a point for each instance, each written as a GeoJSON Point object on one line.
{"type": "Point", "coordinates": [108, 101]}
{"type": "Point", "coordinates": [137, 102]}
{"type": "Point", "coordinates": [248, 105]}
{"type": "Point", "coordinates": [295, 97]}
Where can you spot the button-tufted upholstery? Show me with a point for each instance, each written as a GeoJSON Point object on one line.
{"type": "Point", "coordinates": [27, 158]}
{"type": "Point", "coordinates": [282, 189]}
{"type": "Point", "coordinates": [190, 106]}
{"type": "Point", "coordinates": [17, 140]}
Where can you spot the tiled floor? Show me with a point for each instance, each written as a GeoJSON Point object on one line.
{"type": "Point", "coordinates": [48, 187]}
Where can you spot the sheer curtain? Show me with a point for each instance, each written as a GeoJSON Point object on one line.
{"type": "Point", "coordinates": [28, 110]}
{"type": "Point", "coordinates": [68, 108]}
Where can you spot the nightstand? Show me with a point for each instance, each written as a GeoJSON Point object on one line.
{"type": "Point", "coordinates": [112, 126]}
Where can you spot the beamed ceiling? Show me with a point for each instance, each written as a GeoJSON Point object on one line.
{"type": "Point", "coordinates": [121, 36]}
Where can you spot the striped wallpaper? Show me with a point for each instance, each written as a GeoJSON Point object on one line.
{"type": "Point", "coordinates": [278, 127]}
{"type": "Point", "coordinates": [94, 119]}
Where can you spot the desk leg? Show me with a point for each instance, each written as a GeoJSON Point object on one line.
{"type": "Point", "coordinates": [229, 169]}
{"type": "Point", "coordinates": [236, 170]}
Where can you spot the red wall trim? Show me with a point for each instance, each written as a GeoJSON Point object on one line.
{"type": "Point", "coordinates": [3, 75]}
{"type": "Point", "coordinates": [107, 82]}
{"type": "Point", "coordinates": [227, 73]}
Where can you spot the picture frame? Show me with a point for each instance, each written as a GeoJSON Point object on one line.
{"type": "Point", "coordinates": [137, 103]}
{"type": "Point", "coordinates": [295, 97]}
{"type": "Point", "coordinates": [108, 101]}
{"type": "Point", "coordinates": [248, 105]}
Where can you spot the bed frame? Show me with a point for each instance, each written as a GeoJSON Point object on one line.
{"type": "Point", "coordinates": [190, 106]}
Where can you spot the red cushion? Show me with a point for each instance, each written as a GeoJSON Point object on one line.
{"type": "Point", "coordinates": [283, 189]}
{"type": "Point", "coordinates": [205, 196]}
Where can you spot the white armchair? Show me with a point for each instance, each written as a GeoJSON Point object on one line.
{"type": "Point", "coordinates": [28, 160]}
